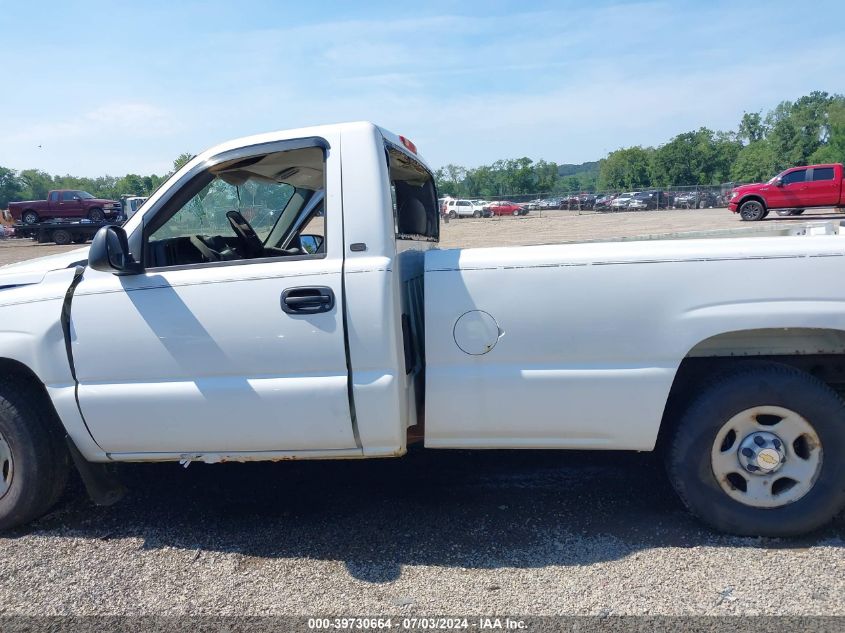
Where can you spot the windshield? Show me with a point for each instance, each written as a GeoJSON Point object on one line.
{"type": "Point", "coordinates": [84, 195]}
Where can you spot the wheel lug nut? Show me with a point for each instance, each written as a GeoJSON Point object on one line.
{"type": "Point", "coordinates": [776, 443]}
{"type": "Point", "coordinates": [759, 441]}
{"type": "Point", "coordinates": [747, 452]}
{"type": "Point", "coordinates": [751, 468]}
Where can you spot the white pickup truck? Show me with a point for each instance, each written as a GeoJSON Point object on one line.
{"type": "Point", "coordinates": [283, 297]}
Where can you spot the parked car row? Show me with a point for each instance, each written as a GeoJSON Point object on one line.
{"type": "Point", "coordinates": [464, 208]}
{"type": "Point", "coordinates": [629, 201]}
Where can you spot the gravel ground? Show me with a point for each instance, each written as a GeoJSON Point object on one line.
{"type": "Point", "coordinates": [447, 532]}
{"type": "Point", "coordinates": [435, 532]}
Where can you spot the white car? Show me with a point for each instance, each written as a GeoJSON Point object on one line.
{"type": "Point", "coordinates": [622, 201]}
{"type": "Point", "coordinates": [462, 208]}
{"type": "Point", "coordinates": [332, 326]}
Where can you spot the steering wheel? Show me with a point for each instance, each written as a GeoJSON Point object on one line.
{"type": "Point", "coordinates": [251, 243]}
{"type": "Point", "coordinates": [209, 253]}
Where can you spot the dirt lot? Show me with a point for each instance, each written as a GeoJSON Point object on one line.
{"type": "Point", "coordinates": [448, 532]}
{"type": "Point", "coordinates": [549, 227]}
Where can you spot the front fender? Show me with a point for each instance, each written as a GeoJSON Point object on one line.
{"type": "Point", "coordinates": [31, 334]}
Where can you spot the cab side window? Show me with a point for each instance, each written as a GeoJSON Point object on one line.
{"type": "Point", "coordinates": [794, 176]}
{"type": "Point", "coordinates": [823, 173]}
{"type": "Point", "coordinates": [255, 208]}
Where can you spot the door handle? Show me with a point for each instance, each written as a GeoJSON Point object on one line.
{"type": "Point", "coordinates": [307, 300]}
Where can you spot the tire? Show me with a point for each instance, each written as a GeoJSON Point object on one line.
{"type": "Point", "coordinates": [476, 214]}
{"type": "Point", "coordinates": [752, 211]}
{"type": "Point", "coordinates": [775, 395]}
{"type": "Point", "coordinates": [516, 213]}
{"type": "Point", "coordinates": [80, 240]}
{"type": "Point", "coordinates": [62, 237]}
{"type": "Point", "coordinates": [787, 212]}
{"type": "Point", "coordinates": [96, 215]}
{"type": "Point", "coordinates": [29, 217]}
{"type": "Point", "coordinates": [34, 459]}
{"type": "Point", "coordinates": [452, 215]}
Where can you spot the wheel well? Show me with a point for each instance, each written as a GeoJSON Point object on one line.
{"type": "Point", "coordinates": [15, 373]}
{"type": "Point", "coordinates": [817, 351]}
{"type": "Point", "coordinates": [752, 197]}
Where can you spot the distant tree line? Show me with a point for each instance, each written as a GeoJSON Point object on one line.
{"type": "Point", "coordinates": [809, 130]}
{"type": "Point", "coordinates": [33, 184]}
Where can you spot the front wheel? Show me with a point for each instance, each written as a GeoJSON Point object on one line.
{"type": "Point", "coordinates": [515, 212]}
{"type": "Point", "coordinates": [96, 215]}
{"type": "Point", "coordinates": [452, 215]}
{"type": "Point", "coordinates": [752, 211]}
{"type": "Point", "coordinates": [757, 452]}
{"type": "Point", "coordinates": [476, 214]}
{"type": "Point", "coordinates": [34, 462]}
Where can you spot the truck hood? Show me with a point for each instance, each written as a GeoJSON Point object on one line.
{"type": "Point", "coordinates": [750, 187]}
{"type": "Point", "coordinates": [32, 271]}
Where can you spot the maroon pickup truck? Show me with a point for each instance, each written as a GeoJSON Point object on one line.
{"type": "Point", "coordinates": [65, 203]}
{"type": "Point", "coordinates": [790, 192]}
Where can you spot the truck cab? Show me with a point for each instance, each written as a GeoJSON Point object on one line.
{"type": "Point", "coordinates": [332, 279]}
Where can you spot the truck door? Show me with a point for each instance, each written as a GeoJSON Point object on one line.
{"type": "Point", "coordinates": [232, 338]}
{"type": "Point", "coordinates": [822, 188]}
{"type": "Point", "coordinates": [70, 204]}
{"type": "Point", "coordinates": [792, 191]}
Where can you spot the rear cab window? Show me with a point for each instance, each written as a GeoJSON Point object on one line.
{"type": "Point", "coordinates": [823, 173]}
{"type": "Point", "coordinates": [415, 210]}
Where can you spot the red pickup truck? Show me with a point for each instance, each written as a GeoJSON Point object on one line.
{"type": "Point", "coordinates": [65, 203]}
{"type": "Point", "coordinates": [790, 192]}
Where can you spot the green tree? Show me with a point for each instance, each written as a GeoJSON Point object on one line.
{"type": "Point", "coordinates": [754, 163]}
{"type": "Point", "coordinates": [182, 160]}
{"type": "Point", "coordinates": [833, 151]}
{"type": "Point", "coordinates": [627, 168]}
{"type": "Point", "coordinates": [36, 184]}
{"type": "Point", "coordinates": [545, 176]}
{"type": "Point", "coordinates": [751, 127]}
{"type": "Point", "coordinates": [10, 186]}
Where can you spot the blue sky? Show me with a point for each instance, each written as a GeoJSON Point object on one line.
{"type": "Point", "coordinates": [117, 87]}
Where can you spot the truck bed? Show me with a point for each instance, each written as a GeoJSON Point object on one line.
{"type": "Point", "coordinates": [580, 343]}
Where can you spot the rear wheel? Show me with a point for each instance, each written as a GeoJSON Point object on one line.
{"type": "Point", "coordinates": [80, 240]}
{"type": "Point", "coordinates": [96, 215]}
{"type": "Point", "coordinates": [34, 461]}
{"type": "Point", "coordinates": [758, 452]}
{"type": "Point", "coordinates": [62, 237]}
{"type": "Point", "coordinates": [30, 217]}
{"type": "Point", "coordinates": [752, 211]}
